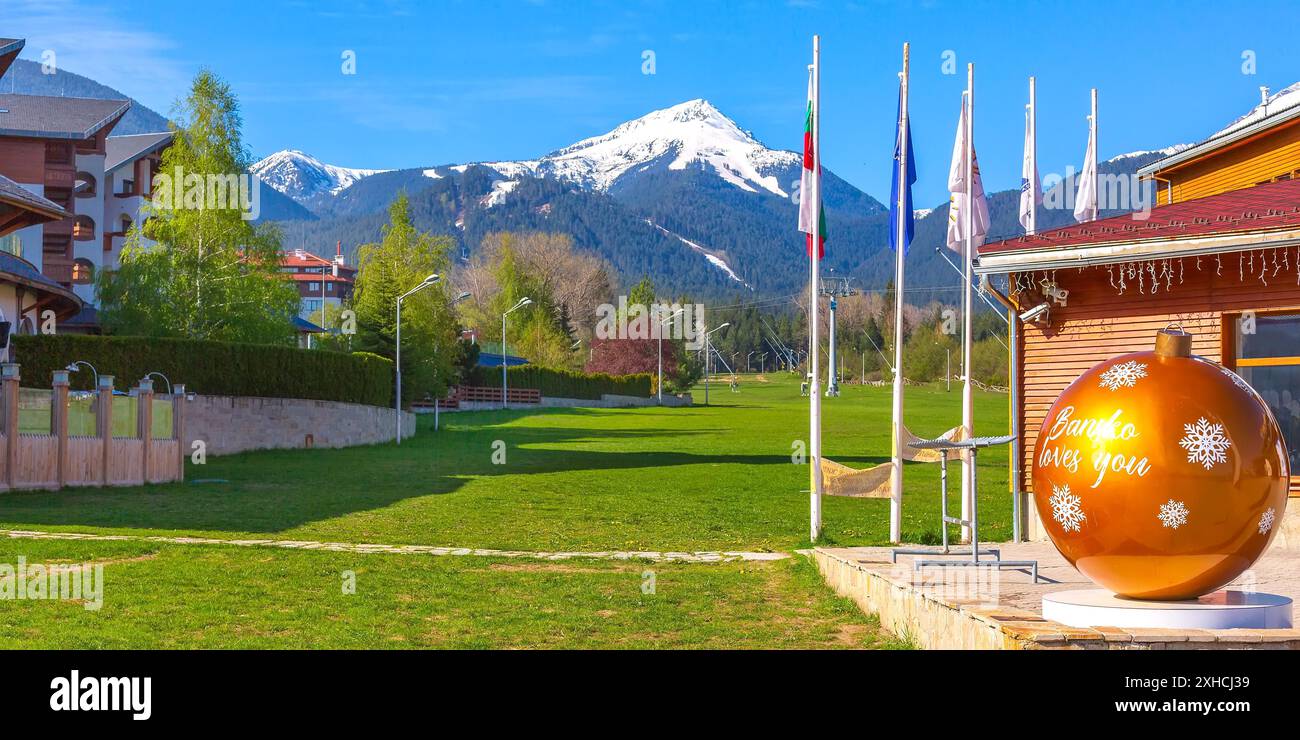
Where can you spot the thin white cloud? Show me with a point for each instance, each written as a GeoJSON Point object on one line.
{"type": "Point", "coordinates": [105, 45]}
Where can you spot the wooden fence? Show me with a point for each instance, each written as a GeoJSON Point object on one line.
{"type": "Point", "coordinates": [484, 394]}
{"type": "Point", "coordinates": [39, 451]}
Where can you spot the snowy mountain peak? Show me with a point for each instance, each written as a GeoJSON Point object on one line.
{"type": "Point", "coordinates": [301, 176]}
{"type": "Point", "coordinates": [1167, 151]}
{"type": "Point", "coordinates": [693, 133]}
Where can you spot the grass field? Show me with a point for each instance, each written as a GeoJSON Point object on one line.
{"type": "Point", "coordinates": [689, 479]}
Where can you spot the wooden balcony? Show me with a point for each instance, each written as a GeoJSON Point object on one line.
{"type": "Point", "coordinates": [60, 176]}
{"type": "Point", "coordinates": [58, 269]}
{"type": "Point", "coordinates": [61, 229]}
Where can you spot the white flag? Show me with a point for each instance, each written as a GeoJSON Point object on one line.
{"type": "Point", "coordinates": [957, 188]}
{"type": "Point", "coordinates": [1085, 197]}
{"type": "Point", "coordinates": [1031, 188]}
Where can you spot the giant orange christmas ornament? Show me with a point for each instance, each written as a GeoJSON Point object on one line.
{"type": "Point", "coordinates": [1160, 475]}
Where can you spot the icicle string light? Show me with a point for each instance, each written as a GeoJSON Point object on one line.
{"type": "Point", "coordinates": [1149, 274]}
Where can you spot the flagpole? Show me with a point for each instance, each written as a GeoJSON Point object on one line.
{"type": "Point", "coordinates": [814, 388]}
{"type": "Point", "coordinates": [1033, 155]}
{"type": "Point", "coordinates": [896, 472]}
{"type": "Point", "coordinates": [1092, 139]}
{"type": "Point", "coordinates": [967, 399]}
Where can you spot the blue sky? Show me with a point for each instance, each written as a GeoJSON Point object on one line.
{"type": "Point", "coordinates": [442, 82]}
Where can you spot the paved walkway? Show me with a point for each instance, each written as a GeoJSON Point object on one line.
{"type": "Point", "coordinates": [659, 557]}
{"type": "Point", "coordinates": [1277, 571]}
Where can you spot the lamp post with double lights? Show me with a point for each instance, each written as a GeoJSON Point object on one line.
{"type": "Point", "coordinates": [437, 403]}
{"type": "Point", "coordinates": [505, 404]}
{"type": "Point", "coordinates": [708, 357]}
{"type": "Point", "coordinates": [661, 351]}
{"type": "Point", "coordinates": [397, 403]}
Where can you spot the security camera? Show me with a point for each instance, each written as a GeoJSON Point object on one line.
{"type": "Point", "coordinates": [1036, 314]}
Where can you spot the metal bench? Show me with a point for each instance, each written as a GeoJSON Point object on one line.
{"type": "Point", "coordinates": [944, 446]}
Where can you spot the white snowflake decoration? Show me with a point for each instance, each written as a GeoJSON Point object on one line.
{"type": "Point", "coordinates": [1266, 521]}
{"type": "Point", "coordinates": [1173, 514]}
{"type": "Point", "coordinates": [1123, 375]}
{"type": "Point", "coordinates": [1065, 508]}
{"type": "Point", "coordinates": [1205, 443]}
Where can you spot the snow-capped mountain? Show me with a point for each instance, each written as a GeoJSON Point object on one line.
{"type": "Point", "coordinates": [303, 177]}
{"type": "Point", "coordinates": [690, 134]}
{"type": "Point", "coordinates": [1167, 151]}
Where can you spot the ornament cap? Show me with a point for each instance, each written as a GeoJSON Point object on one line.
{"type": "Point", "coordinates": [1172, 341]}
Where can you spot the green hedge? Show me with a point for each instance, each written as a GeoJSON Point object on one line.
{"type": "Point", "coordinates": [564, 383]}
{"type": "Point", "coordinates": [217, 368]}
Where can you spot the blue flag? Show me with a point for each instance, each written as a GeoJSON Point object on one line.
{"type": "Point", "coordinates": [909, 225]}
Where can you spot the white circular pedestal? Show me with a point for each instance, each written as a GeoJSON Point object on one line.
{"type": "Point", "coordinates": [1215, 611]}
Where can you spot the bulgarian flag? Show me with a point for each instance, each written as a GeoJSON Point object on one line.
{"type": "Point", "coordinates": [806, 184]}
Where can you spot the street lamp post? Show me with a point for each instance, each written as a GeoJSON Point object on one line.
{"type": "Point", "coordinates": [75, 365]}
{"type": "Point", "coordinates": [661, 352]}
{"type": "Point", "coordinates": [505, 404]}
{"type": "Point", "coordinates": [437, 402]}
{"type": "Point", "coordinates": [708, 357]}
{"type": "Point", "coordinates": [749, 368]}
{"type": "Point", "coordinates": [397, 403]}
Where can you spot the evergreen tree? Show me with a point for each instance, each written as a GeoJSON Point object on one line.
{"type": "Point", "coordinates": [391, 268]}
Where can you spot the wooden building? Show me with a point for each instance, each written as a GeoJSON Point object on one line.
{"type": "Point", "coordinates": [319, 281]}
{"type": "Point", "coordinates": [1219, 255]}
{"type": "Point", "coordinates": [25, 294]}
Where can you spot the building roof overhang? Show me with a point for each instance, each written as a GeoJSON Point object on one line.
{"type": "Point", "coordinates": [1111, 253]}
{"type": "Point", "coordinates": [1260, 217]}
{"type": "Point", "coordinates": [48, 117]}
{"type": "Point", "coordinates": [9, 49]}
{"type": "Point", "coordinates": [49, 294]}
{"type": "Point", "coordinates": [120, 150]}
{"type": "Point", "coordinates": [1225, 140]}
{"type": "Point", "coordinates": [20, 208]}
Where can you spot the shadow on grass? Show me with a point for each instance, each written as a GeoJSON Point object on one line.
{"type": "Point", "coordinates": [276, 490]}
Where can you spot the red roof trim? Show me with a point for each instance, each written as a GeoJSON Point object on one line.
{"type": "Point", "coordinates": [307, 277]}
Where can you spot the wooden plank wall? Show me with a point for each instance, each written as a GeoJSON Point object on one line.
{"type": "Point", "coordinates": [37, 468]}
{"type": "Point", "coordinates": [1098, 324]}
{"type": "Point", "coordinates": [37, 461]}
{"type": "Point", "coordinates": [163, 461]}
{"type": "Point", "coordinates": [125, 467]}
{"type": "Point", "coordinates": [1272, 154]}
{"type": "Point", "coordinates": [85, 458]}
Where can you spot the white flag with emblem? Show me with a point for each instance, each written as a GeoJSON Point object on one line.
{"type": "Point", "coordinates": [961, 149]}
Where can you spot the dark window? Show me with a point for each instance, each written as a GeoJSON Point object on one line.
{"type": "Point", "coordinates": [1269, 359]}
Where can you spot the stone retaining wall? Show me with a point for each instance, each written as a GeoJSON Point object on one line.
{"type": "Point", "coordinates": [230, 424]}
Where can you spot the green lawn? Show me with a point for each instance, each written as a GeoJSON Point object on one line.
{"type": "Point", "coordinates": [690, 479]}
{"type": "Point", "coordinates": [175, 596]}
{"type": "Point", "coordinates": [700, 478]}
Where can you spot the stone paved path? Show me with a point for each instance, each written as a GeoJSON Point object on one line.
{"type": "Point", "coordinates": [660, 557]}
